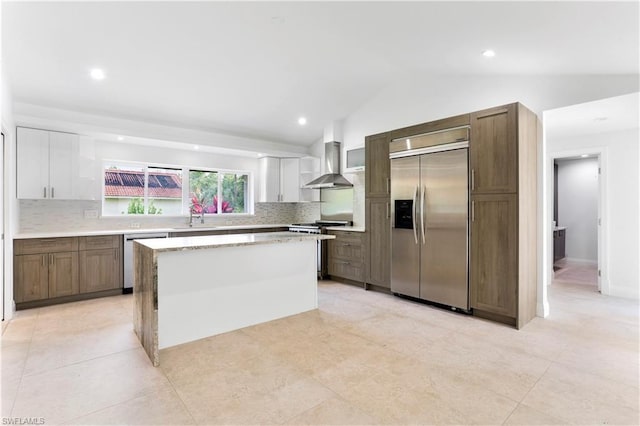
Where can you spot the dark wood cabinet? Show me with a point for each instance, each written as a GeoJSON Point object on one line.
{"type": "Point", "coordinates": [346, 255]}
{"type": "Point", "coordinates": [45, 268]}
{"type": "Point", "coordinates": [494, 253]}
{"type": "Point", "coordinates": [31, 277]}
{"type": "Point", "coordinates": [63, 274]}
{"type": "Point", "coordinates": [494, 150]}
{"type": "Point", "coordinates": [503, 154]}
{"type": "Point", "coordinates": [56, 270]}
{"type": "Point", "coordinates": [100, 263]}
{"type": "Point", "coordinates": [559, 239]}
{"type": "Point", "coordinates": [378, 271]}
{"type": "Point", "coordinates": [377, 264]}
{"type": "Point", "coordinates": [377, 166]}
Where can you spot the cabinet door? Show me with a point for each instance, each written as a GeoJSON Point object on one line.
{"type": "Point", "coordinates": [494, 253]}
{"type": "Point", "coordinates": [493, 150]}
{"type": "Point", "coordinates": [377, 166]}
{"type": "Point", "coordinates": [63, 165]}
{"type": "Point", "coordinates": [290, 179]}
{"type": "Point", "coordinates": [269, 180]}
{"type": "Point", "coordinates": [32, 151]}
{"type": "Point", "coordinates": [345, 269]}
{"type": "Point", "coordinates": [378, 254]}
{"type": "Point", "coordinates": [31, 277]}
{"type": "Point", "coordinates": [99, 270]}
{"type": "Point", "coordinates": [63, 274]}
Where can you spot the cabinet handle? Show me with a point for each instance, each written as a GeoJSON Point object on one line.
{"type": "Point", "coordinates": [50, 259]}
{"type": "Point", "coordinates": [388, 211]}
{"type": "Point", "coordinates": [473, 211]}
{"type": "Point", "coordinates": [473, 179]}
{"type": "Point", "coordinates": [388, 185]}
{"type": "Point", "coordinates": [44, 195]}
{"type": "Point", "coordinates": [43, 262]}
{"type": "Point", "coordinates": [52, 192]}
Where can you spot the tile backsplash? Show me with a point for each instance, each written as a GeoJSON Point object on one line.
{"type": "Point", "coordinates": [68, 216]}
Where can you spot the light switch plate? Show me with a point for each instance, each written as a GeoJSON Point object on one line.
{"type": "Point", "coordinates": [91, 214]}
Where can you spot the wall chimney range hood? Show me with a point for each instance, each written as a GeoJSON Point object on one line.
{"type": "Point", "coordinates": [332, 179]}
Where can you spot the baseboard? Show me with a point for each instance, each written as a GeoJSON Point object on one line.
{"type": "Point", "coordinates": [576, 261]}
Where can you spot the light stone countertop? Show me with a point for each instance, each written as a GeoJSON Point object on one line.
{"type": "Point", "coordinates": [234, 240]}
{"type": "Point", "coordinates": [27, 235]}
{"type": "Point", "coordinates": [346, 228]}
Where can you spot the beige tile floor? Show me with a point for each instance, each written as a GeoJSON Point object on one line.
{"type": "Point", "coordinates": [361, 358]}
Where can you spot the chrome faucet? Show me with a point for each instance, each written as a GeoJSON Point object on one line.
{"type": "Point", "coordinates": [191, 216]}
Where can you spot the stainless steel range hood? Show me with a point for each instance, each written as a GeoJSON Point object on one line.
{"type": "Point", "coordinates": [332, 179]}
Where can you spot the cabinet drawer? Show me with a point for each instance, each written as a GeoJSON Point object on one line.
{"type": "Point", "coordinates": [347, 246]}
{"type": "Point", "coordinates": [99, 242]}
{"type": "Point", "coordinates": [346, 249]}
{"type": "Point", "coordinates": [346, 269]}
{"type": "Point", "coordinates": [45, 245]}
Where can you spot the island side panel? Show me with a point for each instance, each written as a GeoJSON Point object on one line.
{"type": "Point", "coordinates": [145, 313]}
{"type": "Point", "coordinates": [211, 291]}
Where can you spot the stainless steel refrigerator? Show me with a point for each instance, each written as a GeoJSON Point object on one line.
{"type": "Point", "coordinates": [430, 218]}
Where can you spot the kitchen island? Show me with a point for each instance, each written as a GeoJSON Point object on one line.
{"type": "Point", "coordinates": [189, 288]}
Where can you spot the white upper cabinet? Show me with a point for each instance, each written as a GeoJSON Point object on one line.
{"type": "Point", "coordinates": [281, 179]}
{"type": "Point", "coordinates": [289, 180]}
{"type": "Point", "coordinates": [33, 163]}
{"type": "Point", "coordinates": [48, 166]}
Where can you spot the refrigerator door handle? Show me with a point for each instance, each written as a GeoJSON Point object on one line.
{"type": "Point", "coordinates": [415, 205]}
{"type": "Point", "coordinates": [423, 212]}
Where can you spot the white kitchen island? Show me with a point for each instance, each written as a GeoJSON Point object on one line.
{"type": "Point", "coordinates": [194, 287]}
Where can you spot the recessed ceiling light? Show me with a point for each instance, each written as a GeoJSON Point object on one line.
{"type": "Point", "coordinates": [196, 147]}
{"type": "Point", "coordinates": [120, 138]}
{"type": "Point", "coordinates": [302, 121]}
{"type": "Point", "coordinates": [97, 74]}
{"type": "Point", "coordinates": [488, 53]}
{"type": "Point", "coordinates": [584, 155]}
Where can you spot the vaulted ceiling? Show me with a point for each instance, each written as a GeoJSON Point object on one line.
{"type": "Point", "coordinates": [253, 68]}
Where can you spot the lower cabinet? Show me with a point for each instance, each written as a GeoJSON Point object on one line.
{"type": "Point", "coordinates": [378, 271]}
{"type": "Point", "coordinates": [494, 254]}
{"type": "Point", "coordinates": [99, 270]}
{"type": "Point", "coordinates": [558, 244]}
{"type": "Point", "coordinates": [63, 274]}
{"type": "Point", "coordinates": [346, 255]}
{"type": "Point", "coordinates": [31, 276]}
{"type": "Point", "coordinates": [55, 270]}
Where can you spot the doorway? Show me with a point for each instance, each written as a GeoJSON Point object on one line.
{"type": "Point", "coordinates": [575, 221]}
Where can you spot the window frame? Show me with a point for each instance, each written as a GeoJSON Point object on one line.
{"type": "Point", "coordinates": [186, 184]}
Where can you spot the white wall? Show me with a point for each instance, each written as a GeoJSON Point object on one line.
{"type": "Point", "coordinates": [622, 186]}
{"type": "Point", "coordinates": [422, 98]}
{"type": "Point", "coordinates": [9, 189]}
{"type": "Point", "coordinates": [578, 207]}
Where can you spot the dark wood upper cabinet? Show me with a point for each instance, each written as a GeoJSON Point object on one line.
{"type": "Point", "coordinates": [377, 166]}
{"type": "Point", "coordinates": [493, 150]}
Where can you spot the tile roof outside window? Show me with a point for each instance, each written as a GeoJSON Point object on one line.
{"type": "Point", "coordinates": [129, 183]}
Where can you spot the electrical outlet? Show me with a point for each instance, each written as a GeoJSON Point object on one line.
{"type": "Point", "coordinates": [91, 214]}
{"type": "Point", "coordinates": [135, 225]}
